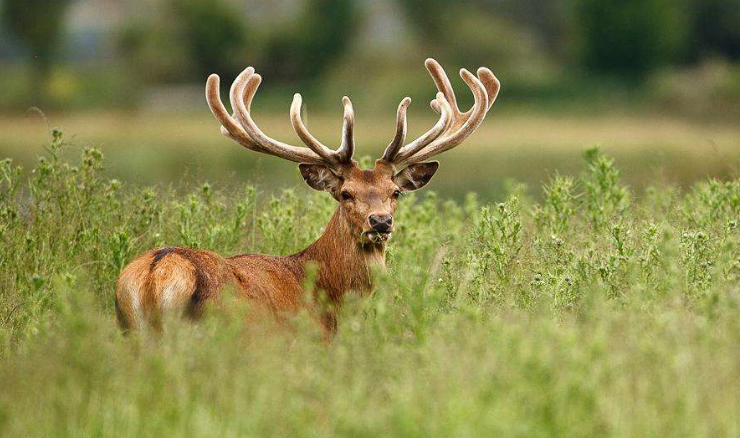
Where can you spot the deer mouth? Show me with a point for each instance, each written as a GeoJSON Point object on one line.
{"type": "Point", "coordinates": [377, 236]}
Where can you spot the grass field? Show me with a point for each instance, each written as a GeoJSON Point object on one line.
{"type": "Point", "coordinates": [586, 311]}
{"type": "Point", "coordinates": [172, 148]}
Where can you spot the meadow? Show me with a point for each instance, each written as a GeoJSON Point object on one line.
{"type": "Point", "coordinates": [579, 305]}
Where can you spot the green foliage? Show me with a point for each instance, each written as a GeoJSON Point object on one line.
{"type": "Point", "coordinates": [315, 41]}
{"type": "Point", "coordinates": [495, 240]}
{"type": "Point", "coordinates": [201, 210]}
{"type": "Point", "coordinates": [39, 25]}
{"type": "Point", "coordinates": [590, 313]}
{"type": "Point", "coordinates": [714, 29]}
{"type": "Point", "coordinates": [214, 33]}
{"type": "Point", "coordinates": [426, 17]}
{"type": "Point", "coordinates": [605, 199]}
{"type": "Point", "coordinates": [533, 46]}
{"type": "Point", "coordinates": [185, 40]}
{"type": "Point", "coordinates": [626, 39]}
{"type": "Point", "coordinates": [471, 33]}
{"type": "Point", "coordinates": [629, 37]}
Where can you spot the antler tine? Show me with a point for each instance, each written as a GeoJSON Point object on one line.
{"type": "Point", "coordinates": [300, 129]}
{"type": "Point", "coordinates": [443, 107]}
{"type": "Point", "coordinates": [401, 129]}
{"type": "Point", "coordinates": [492, 84]}
{"type": "Point", "coordinates": [243, 92]}
{"type": "Point", "coordinates": [347, 148]}
{"type": "Point", "coordinates": [235, 129]}
{"type": "Point", "coordinates": [253, 82]}
{"type": "Point", "coordinates": [454, 125]}
{"type": "Point", "coordinates": [443, 84]}
{"type": "Point", "coordinates": [241, 127]}
{"type": "Point", "coordinates": [462, 126]}
{"type": "Point", "coordinates": [229, 126]}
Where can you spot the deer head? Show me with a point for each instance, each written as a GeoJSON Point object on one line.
{"type": "Point", "coordinates": [367, 198]}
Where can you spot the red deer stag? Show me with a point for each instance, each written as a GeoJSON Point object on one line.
{"type": "Point", "coordinates": [182, 280]}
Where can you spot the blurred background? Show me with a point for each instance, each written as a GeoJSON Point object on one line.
{"type": "Point", "coordinates": [656, 83]}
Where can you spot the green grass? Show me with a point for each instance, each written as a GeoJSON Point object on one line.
{"type": "Point", "coordinates": [592, 311]}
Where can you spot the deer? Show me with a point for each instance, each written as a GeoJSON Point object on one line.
{"type": "Point", "coordinates": [181, 281]}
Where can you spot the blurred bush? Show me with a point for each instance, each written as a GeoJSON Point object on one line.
{"type": "Point", "coordinates": [628, 37]}
{"type": "Point", "coordinates": [184, 40]}
{"type": "Point", "coordinates": [715, 29]}
{"type": "Point", "coordinates": [708, 89]}
{"type": "Point", "coordinates": [470, 35]}
{"type": "Point", "coordinates": [313, 42]}
{"type": "Point", "coordinates": [472, 31]}
{"type": "Point", "coordinates": [39, 25]}
{"type": "Point", "coordinates": [545, 51]}
{"type": "Point", "coordinates": [206, 36]}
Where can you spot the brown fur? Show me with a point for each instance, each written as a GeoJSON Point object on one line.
{"type": "Point", "coordinates": [168, 280]}
{"type": "Point", "coordinates": [180, 280]}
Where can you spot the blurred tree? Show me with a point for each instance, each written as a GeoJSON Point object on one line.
{"type": "Point", "coordinates": [185, 40]}
{"type": "Point", "coordinates": [715, 29]}
{"type": "Point", "coordinates": [546, 20]}
{"type": "Point", "coordinates": [476, 32]}
{"type": "Point", "coordinates": [629, 37]}
{"type": "Point", "coordinates": [322, 33]}
{"type": "Point", "coordinates": [213, 32]}
{"type": "Point", "coordinates": [39, 25]}
{"type": "Point", "coordinates": [429, 18]}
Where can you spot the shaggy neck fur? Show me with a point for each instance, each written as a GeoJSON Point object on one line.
{"type": "Point", "coordinates": [343, 262]}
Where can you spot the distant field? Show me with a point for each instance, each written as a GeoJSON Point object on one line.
{"type": "Point", "coordinates": [187, 147]}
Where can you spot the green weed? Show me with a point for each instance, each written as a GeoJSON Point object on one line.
{"type": "Point", "coordinates": [593, 312]}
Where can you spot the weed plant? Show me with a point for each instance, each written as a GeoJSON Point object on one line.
{"type": "Point", "coordinates": [589, 313]}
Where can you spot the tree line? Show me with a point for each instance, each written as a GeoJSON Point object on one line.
{"type": "Point", "coordinates": [185, 39]}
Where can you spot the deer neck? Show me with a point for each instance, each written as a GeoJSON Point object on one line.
{"type": "Point", "coordinates": [343, 263]}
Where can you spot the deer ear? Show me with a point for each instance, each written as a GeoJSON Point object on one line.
{"type": "Point", "coordinates": [319, 177]}
{"type": "Point", "coordinates": [416, 176]}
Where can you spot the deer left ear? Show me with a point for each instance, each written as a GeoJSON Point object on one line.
{"type": "Point", "coordinates": [319, 177]}
{"type": "Point", "coordinates": [416, 176]}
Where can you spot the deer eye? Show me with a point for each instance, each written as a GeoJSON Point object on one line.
{"type": "Point", "coordinates": [346, 196]}
{"type": "Point", "coordinates": [396, 194]}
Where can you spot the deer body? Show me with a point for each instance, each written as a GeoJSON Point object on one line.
{"type": "Point", "coordinates": [182, 280]}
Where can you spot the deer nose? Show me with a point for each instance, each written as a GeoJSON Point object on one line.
{"type": "Point", "coordinates": [382, 223]}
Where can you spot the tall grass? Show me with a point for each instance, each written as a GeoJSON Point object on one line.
{"type": "Point", "coordinates": [589, 313]}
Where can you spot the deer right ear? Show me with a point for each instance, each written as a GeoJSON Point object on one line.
{"type": "Point", "coordinates": [416, 176]}
{"type": "Point", "coordinates": [320, 177]}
